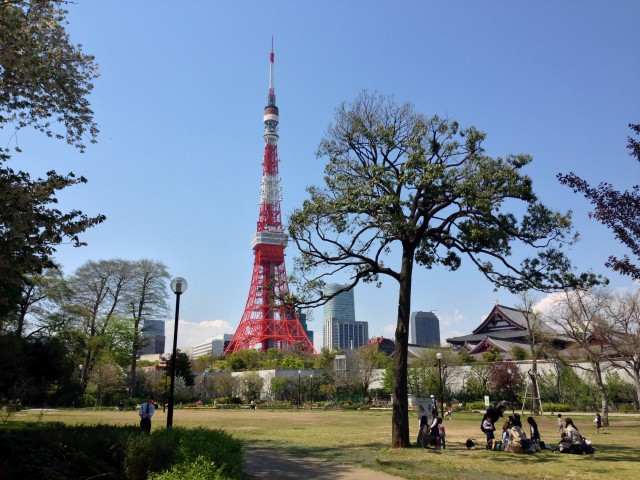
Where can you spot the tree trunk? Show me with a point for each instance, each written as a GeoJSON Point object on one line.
{"type": "Point", "coordinates": [603, 394]}
{"type": "Point", "coordinates": [636, 382]}
{"type": "Point", "coordinates": [400, 418]}
{"type": "Point", "coordinates": [535, 390]}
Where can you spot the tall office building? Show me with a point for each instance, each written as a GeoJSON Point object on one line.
{"type": "Point", "coordinates": [341, 306]}
{"type": "Point", "coordinates": [424, 329]}
{"type": "Point", "coordinates": [303, 321]}
{"type": "Point", "coordinates": [152, 337]}
{"type": "Point", "coordinates": [341, 330]}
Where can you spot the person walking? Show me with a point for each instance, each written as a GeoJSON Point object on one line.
{"type": "Point", "coordinates": [147, 410]}
{"type": "Point", "coordinates": [598, 421]}
{"type": "Point", "coordinates": [560, 423]}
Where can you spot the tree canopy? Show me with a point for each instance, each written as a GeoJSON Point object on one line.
{"type": "Point", "coordinates": [617, 210]}
{"type": "Point", "coordinates": [45, 81]}
{"type": "Point", "coordinates": [401, 188]}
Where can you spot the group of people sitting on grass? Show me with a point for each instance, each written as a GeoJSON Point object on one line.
{"type": "Point", "coordinates": [515, 440]}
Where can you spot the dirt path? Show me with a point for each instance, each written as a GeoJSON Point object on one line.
{"type": "Point", "coordinates": [270, 464]}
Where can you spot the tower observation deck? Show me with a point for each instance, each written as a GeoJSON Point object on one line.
{"type": "Point", "coordinates": [268, 321]}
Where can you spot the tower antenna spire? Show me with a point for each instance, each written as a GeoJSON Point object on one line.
{"type": "Point", "coordinates": [272, 92]}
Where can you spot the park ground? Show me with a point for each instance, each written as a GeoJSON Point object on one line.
{"type": "Point", "coordinates": [363, 438]}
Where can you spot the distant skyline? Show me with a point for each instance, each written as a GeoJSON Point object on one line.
{"type": "Point", "coordinates": [180, 100]}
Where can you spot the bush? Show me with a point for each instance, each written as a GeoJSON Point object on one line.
{"type": "Point", "coordinates": [475, 405]}
{"type": "Point", "coordinates": [57, 452]}
{"type": "Point", "coordinates": [557, 407]}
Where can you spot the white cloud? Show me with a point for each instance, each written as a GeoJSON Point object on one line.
{"type": "Point", "coordinates": [389, 330]}
{"type": "Point", "coordinates": [448, 319]}
{"type": "Point", "coordinates": [194, 333]}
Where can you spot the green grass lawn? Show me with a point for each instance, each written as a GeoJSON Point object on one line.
{"type": "Point", "coordinates": [364, 437]}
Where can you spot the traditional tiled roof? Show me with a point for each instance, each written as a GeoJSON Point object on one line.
{"type": "Point", "coordinates": [506, 324]}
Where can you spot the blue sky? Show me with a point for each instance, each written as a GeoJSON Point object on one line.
{"type": "Point", "coordinates": [180, 98]}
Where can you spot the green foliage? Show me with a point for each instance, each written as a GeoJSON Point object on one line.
{"type": "Point", "coordinates": [491, 355]}
{"type": "Point", "coordinates": [519, 353]}
{"type": "Point", "coordinates": [619, 211]}
{"type": "Point", "coordinates": [58, 452]}
{"type": "Point", "coordinates": [45, 82]}
{"type": "Point", "coordinates": [183, 367]}
{"type": "Point", "coordinates": [198, 469]}
{"type": "Point", "coordinates": [618, 391]}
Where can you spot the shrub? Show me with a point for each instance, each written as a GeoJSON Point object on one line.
{"type": "Point", "coordinates": [57, 452]}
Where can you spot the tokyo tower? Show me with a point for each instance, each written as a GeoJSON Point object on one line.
{"type": "Point", "coordinates": [266, 320]}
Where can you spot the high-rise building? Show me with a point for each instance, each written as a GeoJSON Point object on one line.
{"type": "Point", "coordinates": [152, 337]}
{"type": "Point", "coordinates": [341, 330]}
{"type": "Point", "coordinates": [341, 306]}
{"type": "Point", "coordinates": [303, 322]}
{"type": "Point", "coordinates": [424, 329]}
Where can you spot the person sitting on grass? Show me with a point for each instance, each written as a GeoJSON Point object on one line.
{"type": "Point", "coordinates": [518, 441]}
{"type": "Point", "coordinates": [506, 427]}
{"type": "Point", "coordinates": [571, 440]}
{"type": "Point", "coordinates": [535, 433]}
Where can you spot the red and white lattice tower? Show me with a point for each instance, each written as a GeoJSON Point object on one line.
{"type": "Point", "coordinates": [266, 321]}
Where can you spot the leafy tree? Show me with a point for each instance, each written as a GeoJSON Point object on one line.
{"type": "Point", "coordinates": [422, 188]}
{"type": "Point", "coordinates": [31, 228]}
{"type": "Point", "coordinates": [106, 377]}
{"type": "Point", "coordinates": [98, 291]}
{"type": "Point", "coordinates": [369, 359]}
{"type": "Point", "coordinates": [45, 78]}
{"type": "Point", "coordinates": [39, 296]}
{"type": "Point", "coordinates": [619, 391]}
{"type": "Point", "coordinates": [491, 355]}
{"type": "Point", "coordinates": [518, 353]}
{"type": "Point", "coordinates": [506, 381]}
{"type": "Point", "coordinates": [617, 210]}
{"type": "Point", "coordinates": [183, 368]}
{"type": "Point", "coordinates": [226, 384]}
{"type": "Point", "coordinates": [478, 380]}
{"type": "Point", "coordinates": [291, 363]}
{"type": "Point", "coordinates": [252, 386]}
{"type": "Point", "coordinates": [45, 81]}
{"type": "Point", "coordinates": [247, 359]}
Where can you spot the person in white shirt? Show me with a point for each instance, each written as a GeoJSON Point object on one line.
{"type": "Point", "coordinates": [146, 412]}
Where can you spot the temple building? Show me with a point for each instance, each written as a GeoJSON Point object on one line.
{"type": "Point", "coordinates": [503, 329]}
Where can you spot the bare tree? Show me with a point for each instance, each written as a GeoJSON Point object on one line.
{"type": "Point", "coordinates": [539, 338]}
{"type": "Point", "coordinates": [98, 289]}
{"type": "Point", "coordinates": [624, 335]}
{"type": "Point", "coordinates": [581, 315]}
{"type": "Point", "coordinates": [146, 299]}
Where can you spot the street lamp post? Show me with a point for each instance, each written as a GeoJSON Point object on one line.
{"type": "Point", "coordinates": [439, 357]}
{"type": "Point", "coordinates": [299, 399]}
{"type": "Point", "coordinates": [311, 391]}
{"type": "Point", "coordinates": [178, 286]}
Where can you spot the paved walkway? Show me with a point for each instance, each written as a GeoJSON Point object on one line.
{"type": "Point", "coordinates": [270, 464]}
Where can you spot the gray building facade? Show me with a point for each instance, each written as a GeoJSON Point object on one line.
{"type": "Point", "coordinates": [424, 329]}
{"type": "Point", "coordinates": [152, 338]}
{"type": "Point", "coordinates": [341, 330]}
